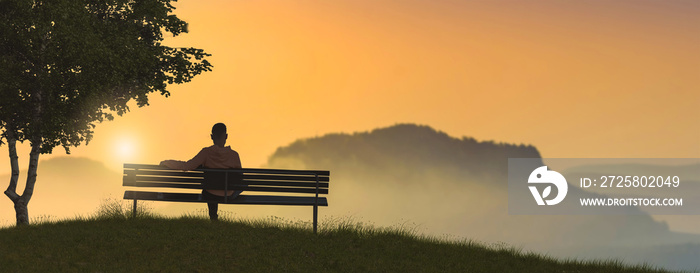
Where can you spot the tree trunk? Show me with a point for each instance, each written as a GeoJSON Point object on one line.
{"type": "Point", "coordinates": [21, 205]}
{"type": "Point", "coordinates": [21, 202]}
{"type": "Point", "coordinates": [21, 212]}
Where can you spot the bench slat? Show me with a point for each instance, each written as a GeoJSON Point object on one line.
{"type": "Point", "coordinates": [234, 187]}
{"type": "Point", "coordinates": [241, 199]}
{"type": "Point", "coordinates": [284, 177]}
{"type": "Point", "coordinates": [165, 185]}
{"type": "Point", "coordinates": [166, 173]}
{"type": "Point", "coordinates": [164, 179]}
{"type": "Point", "coordinates": [281, 189]}
{"type": "Point", "coordinates": [244, 170]}
{"type": "Point", "coordinates": [136, 182]}
{"type": "Point", "coordinates": [321, 185]}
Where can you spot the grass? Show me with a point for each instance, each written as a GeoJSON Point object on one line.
{"type": "Point", "coordinates": [110, 241]}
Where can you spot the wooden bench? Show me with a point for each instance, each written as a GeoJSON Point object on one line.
{"type": "Point", "coordinates": [282, 187]}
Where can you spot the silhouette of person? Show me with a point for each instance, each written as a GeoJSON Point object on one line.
{"type": "Point", "coordinates": [213, 157]}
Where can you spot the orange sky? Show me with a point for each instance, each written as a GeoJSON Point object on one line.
{"type": "Point", "coordinates": [574, 78]}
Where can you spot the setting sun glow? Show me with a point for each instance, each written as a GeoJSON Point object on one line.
{"type": "Point", "coordinates": [124, 150]}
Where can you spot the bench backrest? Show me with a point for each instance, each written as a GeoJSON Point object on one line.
{"type": "Point", "coordinates": [250, 180]}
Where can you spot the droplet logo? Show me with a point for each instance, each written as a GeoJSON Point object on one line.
{"type": "Point", "coordinates": [540, 176]}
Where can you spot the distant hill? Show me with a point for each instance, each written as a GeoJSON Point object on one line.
{"type": "Point", "coordinates": [415, 174]}
{"type": "Point", "coordinates": [392, 149]}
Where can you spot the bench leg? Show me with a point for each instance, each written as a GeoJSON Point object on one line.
{"type": "Point", "coordinates": [133, 212]}
{"type": "Point", "coordinates": [315, 218]}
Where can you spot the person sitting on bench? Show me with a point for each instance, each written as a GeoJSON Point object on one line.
{"type": "Point", "coordinates": [213, 157]}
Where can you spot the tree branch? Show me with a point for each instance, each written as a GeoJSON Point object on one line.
{"type": "Point", "coordinates": [11, 191]}
{"type": "Point", "coordinates": [32, 170]}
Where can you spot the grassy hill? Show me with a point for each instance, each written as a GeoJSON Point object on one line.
{"type": "Point", "coordinates": [194, 244]}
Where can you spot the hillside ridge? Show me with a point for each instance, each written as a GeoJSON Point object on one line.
{"type": "Point", "coordinates": [401, 145]}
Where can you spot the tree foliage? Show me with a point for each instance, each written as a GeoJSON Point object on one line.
{"type": "Point", "coordinates": [69, 64]}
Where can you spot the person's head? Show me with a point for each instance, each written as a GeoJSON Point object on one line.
{"type": "Point", "coordinates": [218, 134]}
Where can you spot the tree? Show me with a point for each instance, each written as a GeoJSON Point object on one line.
{"type": "Point", "coordinates": [66, 65]}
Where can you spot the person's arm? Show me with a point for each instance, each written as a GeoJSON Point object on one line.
{"type": "Point", "coordinates": [192, 164]}
{"type": "Point", "coordinates": [238, 161]}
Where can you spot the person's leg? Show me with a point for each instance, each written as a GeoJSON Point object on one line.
{"type": "Point", "coordinates": [212, 204]}
{"type": "Point", "coordinates": [213, 211]}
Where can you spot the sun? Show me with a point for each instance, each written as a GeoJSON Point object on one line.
{"type": "Point", "coordinates": [125, 149]}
